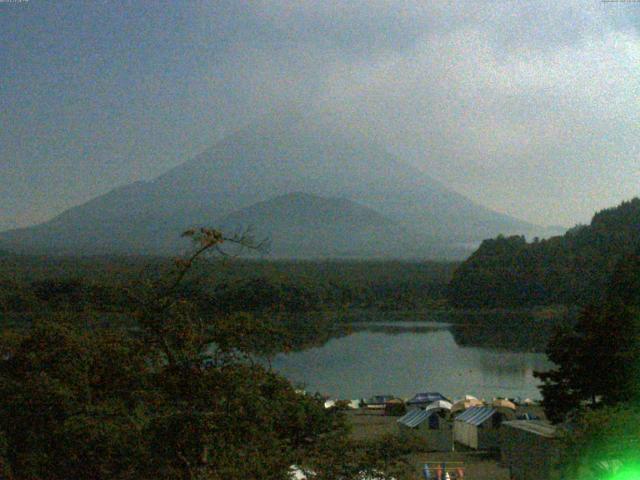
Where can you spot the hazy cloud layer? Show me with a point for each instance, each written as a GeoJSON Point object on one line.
{"type": "Point", "coordinates": [530, 108]}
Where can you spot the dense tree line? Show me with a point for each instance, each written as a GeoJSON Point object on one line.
{"type": "Point", "coordinates": [594, 390]}
{"type": "Point", "coordinates": [256, 287]}
{"type": "Point", "coordinates": [181, 396]}
{"type": "Point", "coordinates": [572, 269]}
{"type": "Point", "coordinates": [598, 358]}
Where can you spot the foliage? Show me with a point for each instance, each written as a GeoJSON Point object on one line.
{"type": "Point", "coordinates": [594, 389]}
{"type": "Point", "coordinates": [30, 286]}
{"type": "Point", "coordinates": [264, 294]}
{"type": "Point", "coordinates": [70, 402]}
{"type": "Point", "coordinates": [593, 365]}
{"type": "Point", "coordinates": [572, 269]}
{"type": "Point", "coordinates": [598, 359]}
{"type": "Point", "coordinates": [603, 444]}
{"type": "Point", "coordinates": [180, 396]}
{"type": "Point", "coordinates": [514, 331]}
{"type": "Point", "coordinates": [624, 285]}
{"type": "Point", "coordinates": [395, 409]}
{"type": "Point", "coordinates": [384, 459]}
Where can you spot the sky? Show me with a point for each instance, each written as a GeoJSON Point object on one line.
{"type": "Point", "coordinates": [531, 108]}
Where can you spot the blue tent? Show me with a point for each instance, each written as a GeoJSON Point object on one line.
{"type": "Point", "coordinates": [478, 427]}
{"type": "Point", "coordinates": [415, 418]}
{"type": "Point", "coordinates": [424, 399]}
{"type": "Point", "coordinates": [429, 427]}
{"type": "Point", "coordinates": [476, 415]}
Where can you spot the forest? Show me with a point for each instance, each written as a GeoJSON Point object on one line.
{"type": "Point", "coordinates": [106, 283]}
{"type": "Point", "coordinates": [124, 353]}
{"type": "Point", "coordinates": [305, 302]}
{"type": "Point", "coordinates": [178, 393]}
{"type": "Point", "coordinates": [572, 269]}
{"type": "Point", "coordinates": [592, 393]}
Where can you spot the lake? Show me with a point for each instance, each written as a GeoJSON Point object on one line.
{"type": "Point", "coordinates": [403, 358]}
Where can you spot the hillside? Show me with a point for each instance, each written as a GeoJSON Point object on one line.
{"type": "Point", "coordinates": [280, 155]}
{"type": "Point", "coordinates": [571, 269]}
{"type": "Point", "coordinates": [308, 226]}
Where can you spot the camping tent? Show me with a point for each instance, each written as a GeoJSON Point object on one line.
{"type": "Point", "coordinates": [529, 448]}
{"type": "Point", "coordinates": [503, 403]}
{"type": "Point", "coordinates": [477, 427]}
{"type": "Point", "coordinates": [465, 403]}
{"type": "Point", "coordinates": [439, 405]}
{"type": "Point", "coordinates": [378, 401]}
{"type": "Point", "coordinates": [421, 400]}
{"type": "Point", "coordinates": [430, 426]}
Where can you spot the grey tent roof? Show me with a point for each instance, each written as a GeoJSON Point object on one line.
{"type": "Point", "coordinates": [415, 418]}
{"type": "Point", "coordinates": [476, 415]}
{"type": "Point", "coordinates": [426, 397]}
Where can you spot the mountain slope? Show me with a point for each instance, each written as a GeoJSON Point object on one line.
{"type": "Point", "coordinates": [314, 155]}
{"type": "Point", "coordinates": [571, 269]}
{"type": "Point", "coordinates": [284, 154]}
{"type": "Point", "coordinates": [308, 226]}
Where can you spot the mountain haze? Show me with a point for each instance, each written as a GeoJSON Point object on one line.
{"type": "Point", "coordinates": [259, 163]}
{"type": "Point", "coordinates": [308, 226]}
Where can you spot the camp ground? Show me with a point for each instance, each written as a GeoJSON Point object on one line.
{"type": "Point", "coordinates": [432, 427]}
{"type": "Point", "coordinates": [529, 448]}
{"type": "Point", "coordinates": [422, 400]}
{"type": "Point", "coordinates": [496, 439]}
{"type": "Point", "coordinates": [443, 471]}
{"type": "Point", "coordinates": [478, 427]}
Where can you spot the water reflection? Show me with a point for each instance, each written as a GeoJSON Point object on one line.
{"type": "Point", "coordinates": [506, 331]}
{"type": "Point", "coordinates": [407, 357]}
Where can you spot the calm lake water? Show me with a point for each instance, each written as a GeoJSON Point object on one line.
{"type": "Point", "coordinates": [403, 358]}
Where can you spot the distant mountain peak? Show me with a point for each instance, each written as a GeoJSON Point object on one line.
{"type": "Point", "coordinates": [286, 158]}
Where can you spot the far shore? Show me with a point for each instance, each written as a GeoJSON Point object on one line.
{"type": "Point", "coordinates": [542, 312]}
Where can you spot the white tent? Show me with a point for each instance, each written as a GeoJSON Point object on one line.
{"type": "Point", "coordinates": [465, 404]}
{"type": "Point", "coordinates": [503, 403]}
{"type": "Point", "coordinates": [440, 404]}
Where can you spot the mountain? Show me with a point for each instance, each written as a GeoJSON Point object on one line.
{"type": "Point", "coordinates": [572, 269]}
{"type": "Point", "coordinates": [280, 155]}
{"type": "Point", "coordinates": [301, 225]}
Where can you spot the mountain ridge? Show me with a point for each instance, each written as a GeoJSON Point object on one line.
{"type": "Point", "coordinates": [298, 153]}
{"type": "Point", "coordinates": [570, 269]}
{"type": "Point", "coordinates": [303, 225]}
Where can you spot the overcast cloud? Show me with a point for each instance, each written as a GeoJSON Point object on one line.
{"type": "Point", "coordinates": [530, 108]}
